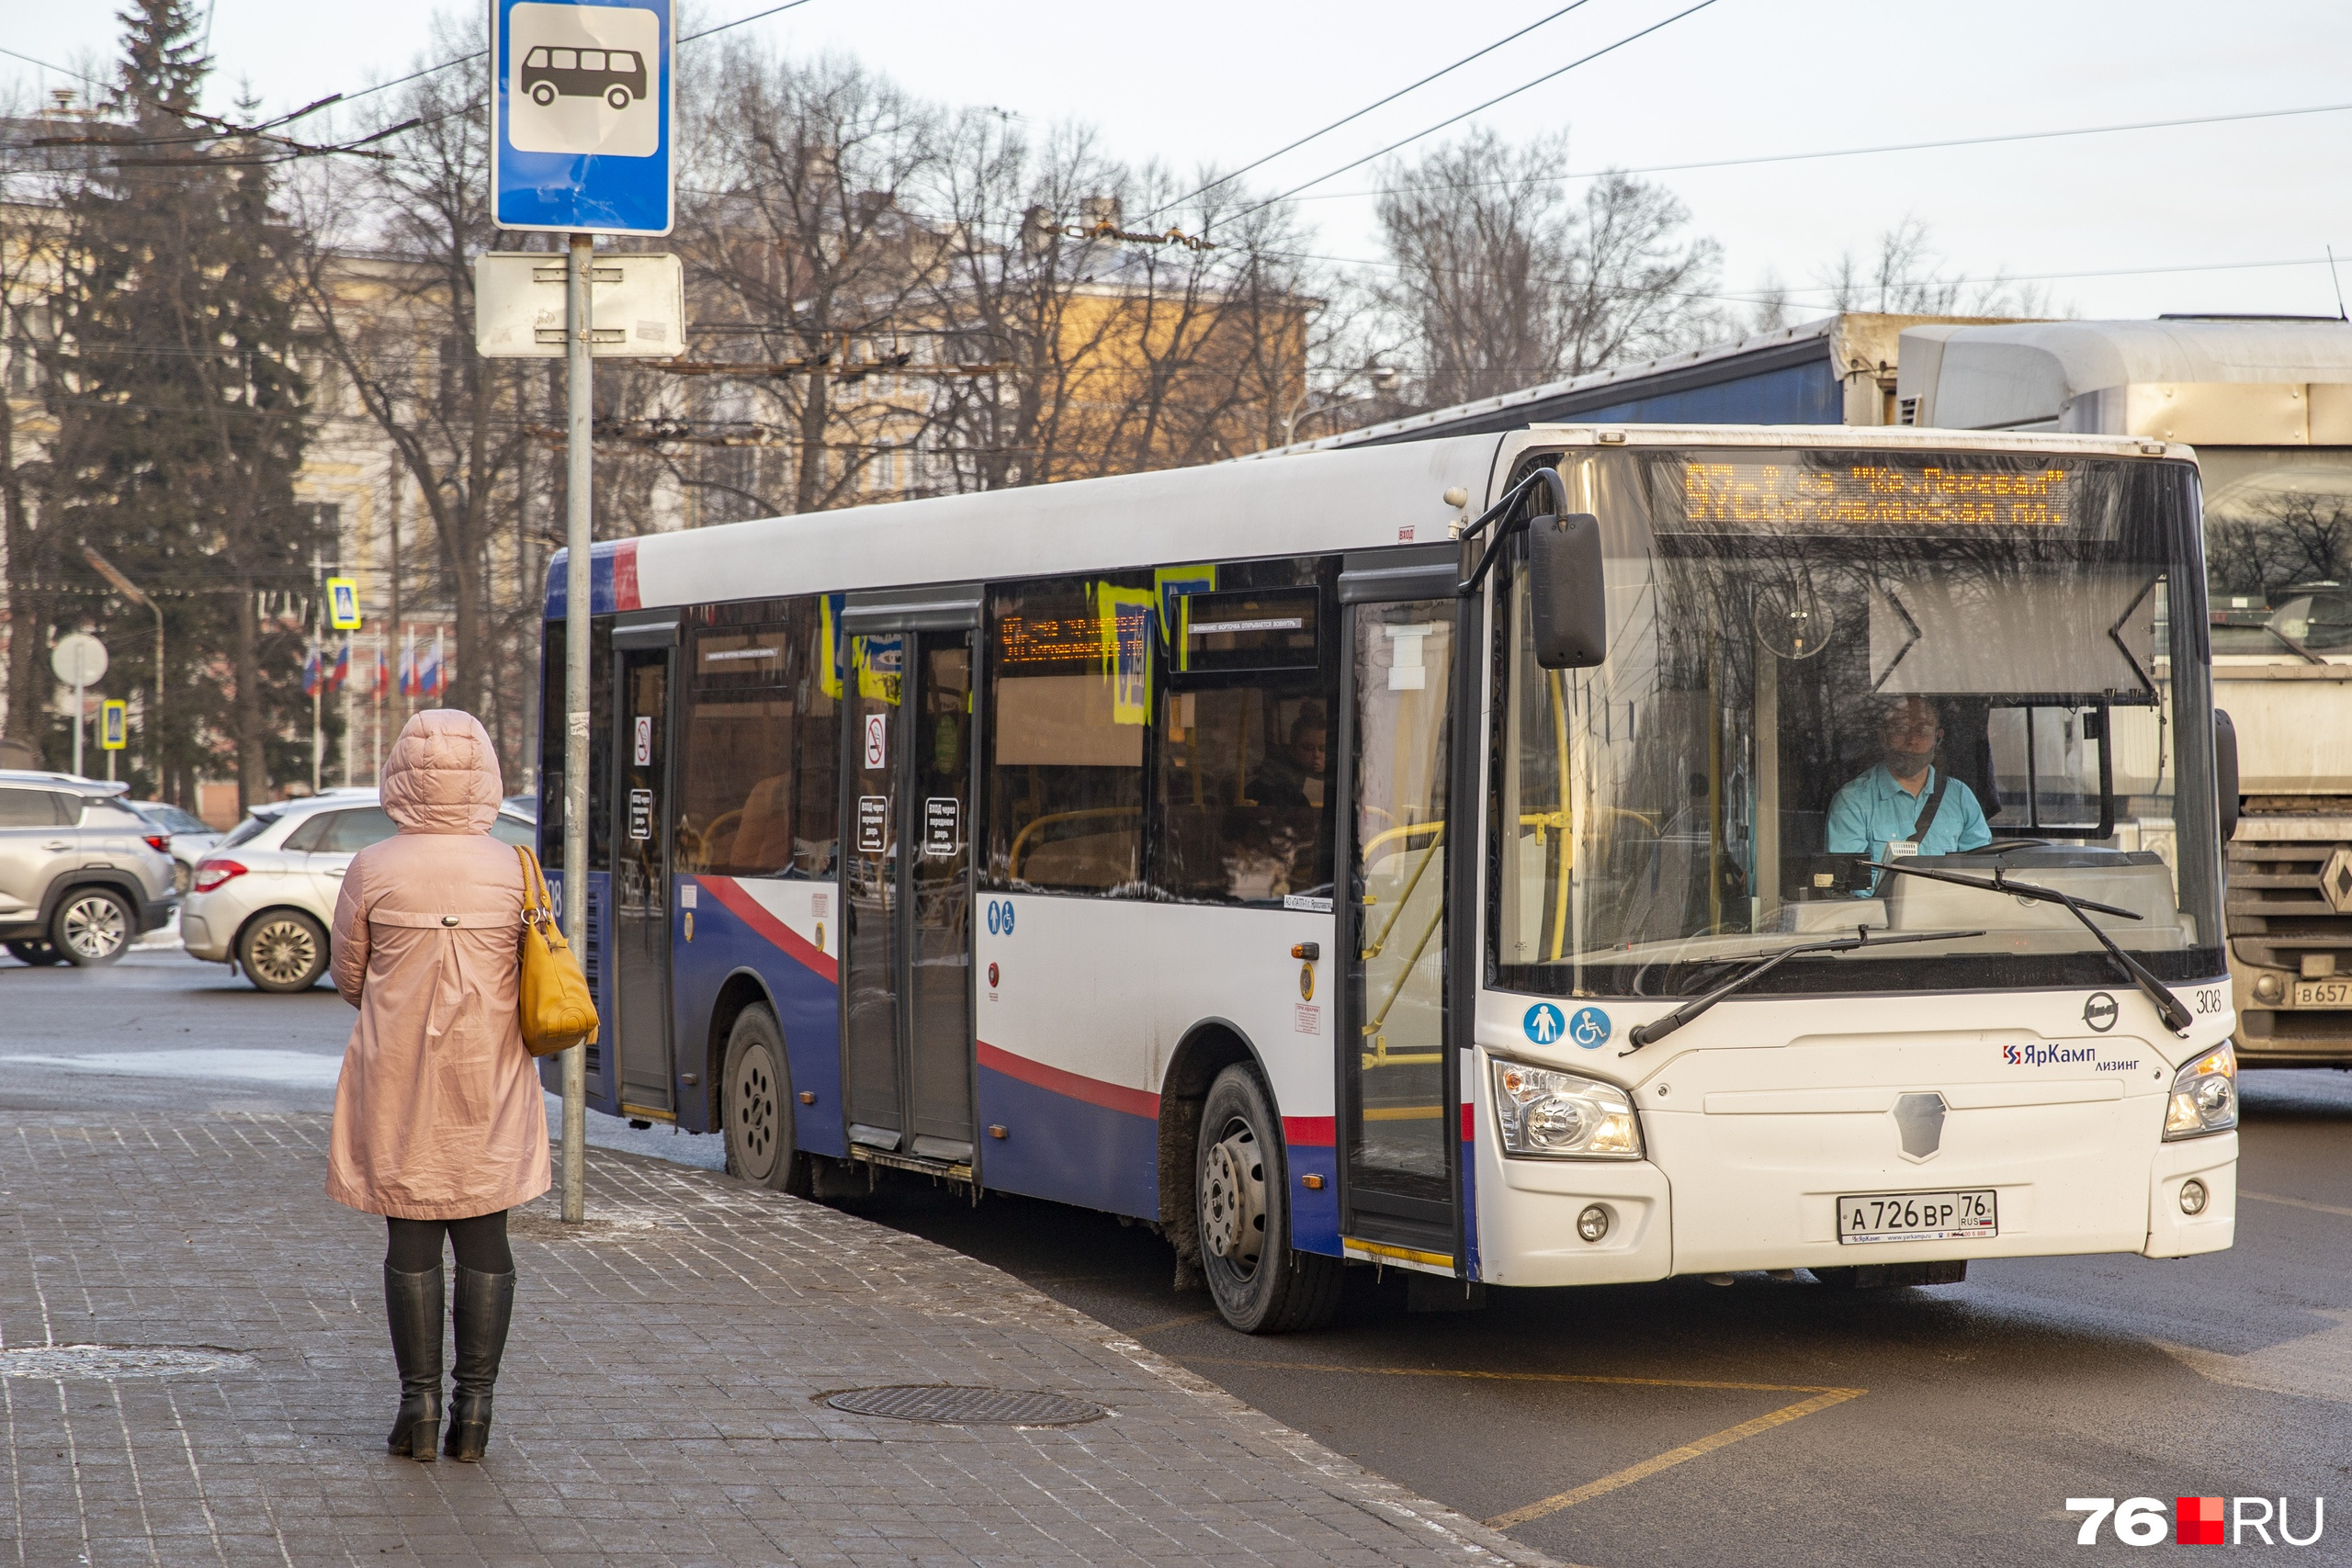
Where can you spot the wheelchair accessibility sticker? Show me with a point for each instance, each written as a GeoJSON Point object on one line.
{"type": "Point", "coordinates": [1000, 917]}
{"type": "Point", "coordinates": [1590, 1028]}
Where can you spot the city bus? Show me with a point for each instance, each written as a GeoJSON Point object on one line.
{"type": "Point", "coordinates": [1483, 857]}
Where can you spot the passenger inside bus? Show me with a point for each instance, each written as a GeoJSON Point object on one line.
{"type": "Point", "coordinates": [1903, 803]}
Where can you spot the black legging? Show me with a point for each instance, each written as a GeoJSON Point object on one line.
{"type": "Point", "coordinates": [479, 1244]}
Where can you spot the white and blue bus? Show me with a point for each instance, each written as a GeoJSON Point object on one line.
{"type": "Point", "coordinates": [1477, 857]}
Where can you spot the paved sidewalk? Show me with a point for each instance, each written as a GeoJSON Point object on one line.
{"type": "Point", "coordinates": [661, 1399]}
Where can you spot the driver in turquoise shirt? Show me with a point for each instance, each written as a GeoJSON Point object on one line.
{"type": "Point", "coordinates": [1881, 806]}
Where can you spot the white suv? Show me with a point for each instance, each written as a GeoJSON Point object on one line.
{"type": "Point", "coordinates": [82, 876]}
{"type": "Point", "coordinates": [263, 899]}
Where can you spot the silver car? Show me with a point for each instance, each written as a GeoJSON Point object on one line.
{"type": "Point", "coordinates": [82, 876]}
{"type": "Point", "coordinates": [191, 837]}
{"type": "Point", "coordinates": [263, 899]}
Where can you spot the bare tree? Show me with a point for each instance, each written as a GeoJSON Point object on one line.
{"type": "Point", "coordinates": [1502, 280]}
{"type": "Point", "coordinates": [1906, 278]}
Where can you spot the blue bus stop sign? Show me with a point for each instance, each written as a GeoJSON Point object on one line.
{"type": "Point", "coordinates": [580, 114]}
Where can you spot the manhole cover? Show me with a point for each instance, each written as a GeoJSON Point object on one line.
{"type": "Point", "coordinates": [120, 1362]}
{"type": "Point", "coordinates": [968, 1406]}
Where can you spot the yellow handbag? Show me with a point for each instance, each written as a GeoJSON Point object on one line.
{"type": "Point", "coordinates": [557, 1011]}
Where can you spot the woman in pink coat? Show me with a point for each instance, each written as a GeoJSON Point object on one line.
{"type": "Point", "coordinates": [439, 1124]}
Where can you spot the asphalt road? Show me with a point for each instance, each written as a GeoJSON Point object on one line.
{"type": "Point", "coordinates": [1765, 1423]}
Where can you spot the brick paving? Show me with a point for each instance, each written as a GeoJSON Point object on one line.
{"type": "Point", "coordinates": [661, 1398]}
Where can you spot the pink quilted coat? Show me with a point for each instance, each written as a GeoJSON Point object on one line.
{"type": "Point", "coordinates": [438, 1114]}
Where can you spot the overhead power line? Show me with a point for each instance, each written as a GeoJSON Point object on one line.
{"type": "Point", "coordinates": [1382, 103]}
{"type": "Point", "coordinates": [1860, 151]}
{"type": "Point", "coordinates": [1478, 109]}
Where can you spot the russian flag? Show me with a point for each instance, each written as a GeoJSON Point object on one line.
{"type": "Point", "coordinates": [431, 678]}
{"type": "Point", "coordinates": [408, 665]}
{"type": "Point", "coordinates": [310, 670]}
{"type": "Point", "coordinates": [341, 671]}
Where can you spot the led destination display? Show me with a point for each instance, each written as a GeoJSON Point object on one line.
{"type": "Point", "coordinates": [1770, 493]}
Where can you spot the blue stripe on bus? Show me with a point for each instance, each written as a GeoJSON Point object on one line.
{"type": "Point", "coordinates": [1061, 1147]}
{"type": "Point", "coordinates": [808, 1009]}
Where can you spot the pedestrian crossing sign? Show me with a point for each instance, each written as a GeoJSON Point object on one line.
{"type": "Point", "coordinates": [113, 721]}
{"type": "Point", "coordinates": [342, 604]}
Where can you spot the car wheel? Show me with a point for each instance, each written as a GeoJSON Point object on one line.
{"type": "Point", "coordinates": [1260, 1284]}
{"type": "Point", "coordinates": [757, 1111]}
{"type": "Point", "coordinates": [94, 925]}
{"type": "Point", "coordinates": [542, 95]}
{"type": "Point", "coordinates": [283, 951]}
{"type": "Point", "coordinates": [39, 952]}
{"type": "Point", "coordinates": [619, 97]}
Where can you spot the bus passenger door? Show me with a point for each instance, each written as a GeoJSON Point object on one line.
{"type": "Point", "coordinates": [641, 839]}
{"type": "Point", "coordinates": [1399, 1091]}
{"type": "Point", "coordinates": [907, 890]}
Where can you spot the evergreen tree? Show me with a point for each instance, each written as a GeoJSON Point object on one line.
{"type": "Point", "coordinates": [181, 425]}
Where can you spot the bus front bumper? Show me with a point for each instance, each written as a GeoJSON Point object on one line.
{"type": "Point", "coordinates": [1678, 1212]}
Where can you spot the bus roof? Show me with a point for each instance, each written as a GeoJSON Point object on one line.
{"type": "Point", "coordinates": [1304, 504]}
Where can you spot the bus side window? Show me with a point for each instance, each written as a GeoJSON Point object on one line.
{"type": "Point", "coordinates": [1241, 796]}
{"type": "Point", "coordinates": [1069, 672]}
{"type": "Point", "coordinates": [755, 799]}
{"type": "Point", "coordinates": [564, 59]}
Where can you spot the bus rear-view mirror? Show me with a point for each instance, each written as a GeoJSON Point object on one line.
{"type": "Point", "coordinates": [1570, 612]}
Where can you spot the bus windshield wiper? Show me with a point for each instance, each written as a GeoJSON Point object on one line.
{"type": "Point", "coordinates": [2176, 1017]}
{"type": "Point", "coordinates": [1763, 963]}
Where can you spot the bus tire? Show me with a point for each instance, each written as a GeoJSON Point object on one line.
{"type": "Point", "coordinates": [1260, 1284]}
{"type": "Point", "coordinates": [755, 1107]}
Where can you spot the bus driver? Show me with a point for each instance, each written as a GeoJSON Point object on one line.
{"type": "Point", "coordinates": [1906, 805]}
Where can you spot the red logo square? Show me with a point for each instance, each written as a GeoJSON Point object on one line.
{"type": "Point", "coordinates": [2197, 1521]}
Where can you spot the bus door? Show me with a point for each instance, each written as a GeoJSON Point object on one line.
{"type": "Point", "coordinates": [643, 658]}
{"type": "Point", "coordinates": [1400, 1089]}
{"type": "Point", "coordinates": [907, 766]}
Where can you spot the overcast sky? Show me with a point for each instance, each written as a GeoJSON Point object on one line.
{"type": "Point", "coordinates": [2126, 224]}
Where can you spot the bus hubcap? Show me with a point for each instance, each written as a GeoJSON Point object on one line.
{"type": "Point", "coordinates": [755, 1117]}
{"type": "Point", "coordinates": [1233, 1199]}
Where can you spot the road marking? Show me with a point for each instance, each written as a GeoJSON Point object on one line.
{"type": "Point", "coordinates": [1823, 1396]}
{"type": "Point", "coordinates": [2296, 1203]}
{"type": "Point", "coordinates": [1671, 1458]}
{"type": "Point", "coordinates": [2314, 1366]}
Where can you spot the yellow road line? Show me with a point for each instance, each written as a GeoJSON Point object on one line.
{"type": "Point", "coordinates": [1529, 1377]}
{"type": "Point", "coordinates": [2296, 1203]}
{"type": "Point", "coordinates": [1671, 1458]}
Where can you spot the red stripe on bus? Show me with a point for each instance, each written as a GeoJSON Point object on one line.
{"type": "Point", "coordinates": [1309, 1132]}
{"type": "Point", "coordinates": [1469, 1123]}
{"type": "Point", "coordinates": [1072, 1086]}
{"type": "Point", "coordinates": [754, 914]}
{"type": "Point", "coordinates": [625, 590]}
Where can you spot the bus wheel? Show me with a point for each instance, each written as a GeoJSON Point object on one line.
{"type": "Point", "coordinates": [1260, 1285]}
{"type": "Point", "coordinates": [542, 94]}
{"type": "Point", "coordinates": [757, 1113]}
{"type": "Point", "coordinates": [618, 97]}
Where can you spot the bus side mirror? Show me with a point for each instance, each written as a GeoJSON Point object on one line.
{"type": "Point", "coordinates": [1564, 574]}
{"type": "Point", "coordinates": [2225, 772]}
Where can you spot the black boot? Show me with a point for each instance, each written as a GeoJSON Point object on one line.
{"type": "Point", "coordinates": [412, 1305]}
{"type": "Point", "coordinates": [484, 1306]}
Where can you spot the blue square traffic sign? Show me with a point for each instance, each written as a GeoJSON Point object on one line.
{"type": "Point", "coordinates": [580, 114]}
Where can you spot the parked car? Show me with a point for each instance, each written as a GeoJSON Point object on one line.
{"type": "Point", "coordinates": [263, 899]}
{"type": "Point", "coordinates": [191, 836]}
{"type": "Point", "coordinates": [524, 806]}
{"type": "Point", "coordinates": [81, 875]}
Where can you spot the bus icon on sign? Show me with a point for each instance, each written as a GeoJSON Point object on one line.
{"type": "Point", "coordinates": [615, 75]}
{"type": "Point", "coordinates": [583, 79]}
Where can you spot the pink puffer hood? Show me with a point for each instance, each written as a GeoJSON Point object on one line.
{"type": "Point", "coordinates": [442, 776]}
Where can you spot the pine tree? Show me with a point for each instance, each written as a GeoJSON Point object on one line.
{"type": "Point", "coordinates": [180, 422]}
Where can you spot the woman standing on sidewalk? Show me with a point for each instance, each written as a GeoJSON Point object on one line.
{"type": "Point", "coordinates": [439, 1123]}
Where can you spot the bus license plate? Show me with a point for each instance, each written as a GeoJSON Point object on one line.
{"type": "Point", "coordinates": [1917, 1217]}
{"type": "Point", "coordinates": [2323, 994]}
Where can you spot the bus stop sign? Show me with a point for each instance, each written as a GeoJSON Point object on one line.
{"type": "Point", "coordinates": [581, 132]}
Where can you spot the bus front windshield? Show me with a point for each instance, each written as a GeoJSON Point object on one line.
{"type": "Point", "coordinates": [1820, 663]}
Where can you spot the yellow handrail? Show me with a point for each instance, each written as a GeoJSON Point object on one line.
{"type": "Point", "coordinates": [1013, 867]}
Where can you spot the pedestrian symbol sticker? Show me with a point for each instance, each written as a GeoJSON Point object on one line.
{"type": "Point", "coordinates": [1590, 1028]}
{"type": "Point", "coordinates": [1544, 1024]}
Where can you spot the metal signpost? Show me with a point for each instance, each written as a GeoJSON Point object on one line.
{"type": "Point", "coordinates": [579, 145]}
{"type": "Point", "coordinates": [80, 660]}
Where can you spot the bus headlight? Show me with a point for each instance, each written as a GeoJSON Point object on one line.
{"type": "Point", "coordinates": [2204, 1095]}
{"type": "Point", "coordinates": [1562, 1116]}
